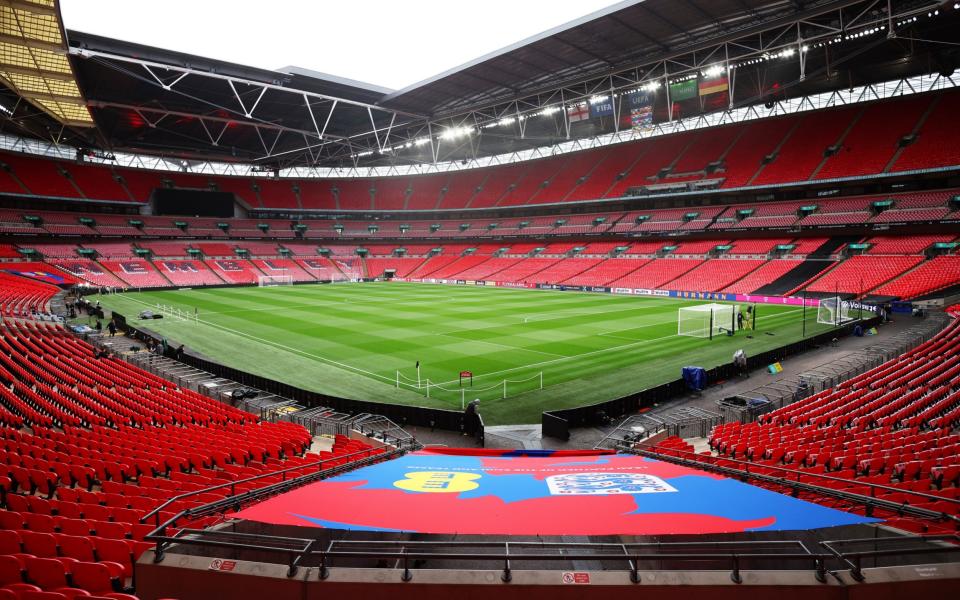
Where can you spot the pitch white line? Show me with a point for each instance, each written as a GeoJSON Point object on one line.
{"type": "Point", "coordinates": [288, 348]}
{"type": "Point", "coordinates": [591, 353]}
{"type": "Point", "coordinates": [392, 380]}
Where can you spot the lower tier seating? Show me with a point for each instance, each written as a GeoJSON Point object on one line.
{"type": "Point", "coordinates": [90, 447]}
{"type": "Point", "coordinates": [889, 433]}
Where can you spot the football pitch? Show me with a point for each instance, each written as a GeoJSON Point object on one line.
{"type": "Point", "coordinates": [364, 340]}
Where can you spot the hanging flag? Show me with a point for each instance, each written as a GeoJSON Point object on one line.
{"type": "Point", "coordinates": [640, 114]}
{"type": "Point", "coordinates": [714, 86]}
{"type": "Point", "coordinates": [601, 108]}
{"type": "Point", "coordinates": [580, 112]}
{"type": "Point", "coordinates": [418, 364]}
{"type": "Point", "coordinates": [683, 90]}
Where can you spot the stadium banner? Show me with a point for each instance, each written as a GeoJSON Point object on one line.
{"type": "Point", "coordinates": [44, 276]}
{"type": "Point", "coordinates": [479, 283]}
{"type": "Point", "coordinates": [580, 112]}
{"type": "Point", "coordinates": [601, 108]}
{"type": "Point", "coordinates": [704, 296]}
{"type": "Point", "coordinates": [713, 86]}
{"type": "Point", "coordinates": [637, 110]}
{"type": "Point", "coordinates": [517, 493]}
{"type": "Point", "coordinates": [683, 90]}
{"type": "Point", "coordinates": [643, 292]}
{"type": "Point", "coordinates": [133, 268]}
{"type": "Point", "coordinates": [627, 291]}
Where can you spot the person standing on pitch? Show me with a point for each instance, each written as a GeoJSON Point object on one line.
{"type": "Point", "coordinates": [739, 320]}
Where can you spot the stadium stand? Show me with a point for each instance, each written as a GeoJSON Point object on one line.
{"type": "Point", "coordinates": [657, 274]}
{"type": "Point", "coordinates": [187, 272]}
{"type": "Point", "coordinates": [88, 452]}
{"type": "Point", "coordinates": [887, 434]}
{"type": "Point", "coordinates": [234, 270]}
{"type": "Point", "coordinates": [934, 146]}
{"type": "Point", "coordinates": [715, 275]}
{"type": "Point", "coordinates": [282, 266]}
{"type": "Point", "coordinates": [135, 273]}
{"type": "Point", "coordinates": [861, 274]}
{"type": "Point", "coordinates": [764, 274]}
{"type": "Point", "coordinates": [934, 275]}
{"type": "Point", "coordinates": [89, 271]}
{"type": "Point", "coordinates": [20, 296]}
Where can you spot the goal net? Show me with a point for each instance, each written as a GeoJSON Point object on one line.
{"type": "Point", "coordinates": [834, 311]}
{"type": "Point", "coordinates": [706, 320]}
{"type": "Point", "coordinates": [275, 280]}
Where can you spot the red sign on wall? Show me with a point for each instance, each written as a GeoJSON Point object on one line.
{"type": "Point", "coordinates": [576, 578]}
{"type": "Point", "coordinates": [218, 564]}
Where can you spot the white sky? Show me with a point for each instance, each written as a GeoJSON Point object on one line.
{"type": "Point", "coordinates": [390, 43]}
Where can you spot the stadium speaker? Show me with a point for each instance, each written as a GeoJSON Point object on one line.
{"type": "Point", "coordinates": [769, 103]}
{"type": "Point", "coordinates": [238, 394]}
{"type": "Point", "coordinates": [251, 393]}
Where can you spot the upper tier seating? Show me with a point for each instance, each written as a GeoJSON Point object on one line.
{"type": "Point", "coordinates": [866, 134]}
{"type": "Point", "coordinates": [802, 151]}
{"type": "Point", "coordinates": [872, 141]}
{"type": "Point", "coordinates": [936, 144]}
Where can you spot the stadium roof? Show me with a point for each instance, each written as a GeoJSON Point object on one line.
{"type": "Point", "coordinates": [625, 34]}
{"type": "Point", "coordinates": [156, 101]}
{"type": "Point", "coordinates": [33, 60]}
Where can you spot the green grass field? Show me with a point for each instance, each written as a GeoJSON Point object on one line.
{"type": "Point", "coordinates": [351, 340]}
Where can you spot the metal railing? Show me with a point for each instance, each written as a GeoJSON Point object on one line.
{"type": "Point", "coordinates": [634, 558]}
{"type": "Point", "coordinates": [871, 502]}
{"type": "Point", "coordinates": [234, 501]}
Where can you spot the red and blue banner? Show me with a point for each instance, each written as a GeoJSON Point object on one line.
{"type": "Point", "coordinates": [41, 275]}
{"type": "Point", "coordinates": [524, 493]}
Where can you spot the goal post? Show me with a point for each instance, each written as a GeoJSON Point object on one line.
{"type": "Point", "coordinates": [707, 320]}
{"type": "Point", "coordinates": [834, 311]}
{"type": "Point", "coordinates": [274, 280]}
